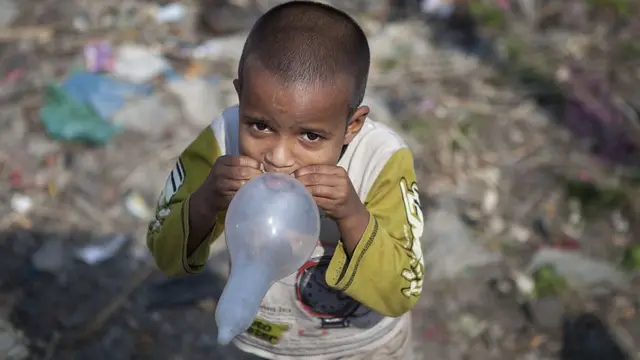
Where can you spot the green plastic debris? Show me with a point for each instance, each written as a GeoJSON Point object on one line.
{"type": "Point", "coordinates": [548, 282]}
{"type": "Point", "coordinates": [67, 119]}
{"type": "Point", "coordinates": [631, 259]}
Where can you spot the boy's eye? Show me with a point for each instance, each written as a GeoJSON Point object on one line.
{"type": "Point", "coordinates": [311, 136]}
{"type": "Point", "coordinates": [260, 126]}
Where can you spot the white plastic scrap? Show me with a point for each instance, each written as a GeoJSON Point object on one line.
{"type": "Point", "coordinates": [170, 13]}
{"type": "Point", "coordinates": [138, 64]}
{"type": "Point", "coordinates": [13, 344]}
{"type": "Point", "coordinates": [96, 253]}
{"type": "Point", "coordinates": [21, 204]}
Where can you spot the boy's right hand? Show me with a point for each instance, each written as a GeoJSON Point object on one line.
{"type": "Point", "coordinates": [227, 175]}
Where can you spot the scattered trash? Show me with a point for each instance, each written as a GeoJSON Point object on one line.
{"type": "Point", "coordinates": [21, 204]}
{"type": "Point", "coordinates": [103, 94]}
{"type": "Point", "coordinates": [580, 272]}
{"type": "Point", "coordinates": [565, 242]}
{"type": "Point", "coordinates": [16, 179]}
{"type": "Point", "coordinates": [448, 246]}
{"type": "Point", "coordinates": [104, 250]}
{"type": "Point", "coordinates": [439, 8]}
{"type": "Point", "coordinates": [199, 99]}
{"type": "Point", "coordinates": [12, 76]}
{"type": "Point", "coordinates": [8, 14]}
{"type": "Point", "coordinates": [520, 233]}
{"type": "Point", "coordinates": [229, 48]}
{"type": "Point", "coordinates": [473, 131]}
{"type": "Point", "coordinates": [98, 57]}
{"type": "Point", "coordinates": [524, 283]}
{"type": "Point", "coordinates": [470, 325]}
{"type": "Point", "coordinates": [42, 34]}
{"type": "Point", "coordinates": [170, 13]}
{"type": "Point", "coordinates": [149, 115]}
{"type": "Point", "coordinates": [13, 344]}
{"type": "Point", "coordinates": [81, 22]}
{"type": "Point", "coordinates": [138, 64]}
{"type": "Point", "coordinates": [137, 206]}
{"type": "Point", "coordinates": [67, 119]}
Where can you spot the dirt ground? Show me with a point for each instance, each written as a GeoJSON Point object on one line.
{"type": "Point", "coordinates": [507, 178]}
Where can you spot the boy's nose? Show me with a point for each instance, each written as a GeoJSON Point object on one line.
{"type": "Point", "coordinates": [280, 159]}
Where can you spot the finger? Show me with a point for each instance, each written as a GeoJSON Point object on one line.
{"type": "Point", "coordinates": [230, 186]}
{"type": "Point", "coordinates": [324, 204]}
{"type": "Point", "coordinates": [325, 192]}
{"type": "Point", "coordinates": [319, 169]}
{"type": "Point", "coordinates": [319, 179]}
{"type": "Point", "coordinates": [241, 172]}
{"type": "Point", "coordinates": [239, 160]}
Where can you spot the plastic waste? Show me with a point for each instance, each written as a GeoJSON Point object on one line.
{"type": "Point", "coordinates": [580, 272]}
{"type": "Point", "coordinates": [170, 13]}
{"type": "Point", "coordinates": [104, 250]}
{"type": "Point", "coordinates": [103, 94]}
{"type": "Point", "coordinates": [66, 118]}
{"type": "Point", "coordinates": [271, 228]}
{"type": "Point", "coordinates": [449, 248]}
{"type": "Point", "coordinates": [138, 64]}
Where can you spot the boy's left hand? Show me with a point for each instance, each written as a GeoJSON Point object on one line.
{"type": "Point", "coordinates": [331, 189]}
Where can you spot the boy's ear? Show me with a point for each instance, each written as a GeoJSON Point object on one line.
{"type": "Point", "coordinates": [236, 85]}
{"type": "Point", "coordinates": [355, 123]}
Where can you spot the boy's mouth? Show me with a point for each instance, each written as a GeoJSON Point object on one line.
{"type": "Point", "coordinates": [265, 169]}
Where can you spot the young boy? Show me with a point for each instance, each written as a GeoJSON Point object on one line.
{"type": "Point", "coordinates": [301, 81]}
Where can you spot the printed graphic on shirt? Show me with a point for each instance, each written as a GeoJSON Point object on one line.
{"type": "Point", "coordinates": [332, 308]}
{"type": "Point", "coordinates": [414, 274]}
{"type": "Point", "coordinates": [174, 182]}
{"type": "Point", "coordinates": [267, 331]}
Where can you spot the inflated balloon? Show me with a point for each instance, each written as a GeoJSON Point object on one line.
{"type": "Point", "coordinates": [271, 228]}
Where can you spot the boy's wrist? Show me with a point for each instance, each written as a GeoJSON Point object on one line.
{"type": "Point", "coordinates": [352, 227]}
{"type": "Point", "coordinates": [203, 204]}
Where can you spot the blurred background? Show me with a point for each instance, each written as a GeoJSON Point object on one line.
{"type": "Point", "coordinates": [522, 115]}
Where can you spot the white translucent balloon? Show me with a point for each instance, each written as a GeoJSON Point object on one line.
{"type": "Point", "coordinates": [271, 228]}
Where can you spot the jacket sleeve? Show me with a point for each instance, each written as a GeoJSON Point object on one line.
{"type": "Point", "coordinates": [169, 230]}
{"type": "Point", "coordinates": [386, 270]}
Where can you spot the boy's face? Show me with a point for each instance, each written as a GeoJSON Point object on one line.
{"type": "Point", "coordinates": [288, 127]}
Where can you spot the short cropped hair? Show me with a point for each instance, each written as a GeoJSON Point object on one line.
{"type": "Point", "coordinates": [309, 42]}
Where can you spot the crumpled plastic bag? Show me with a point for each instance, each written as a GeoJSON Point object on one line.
{"type": "Point", "coordinates": [105, 95]}
{"type": "Point", "coordinates": [65, 118]}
